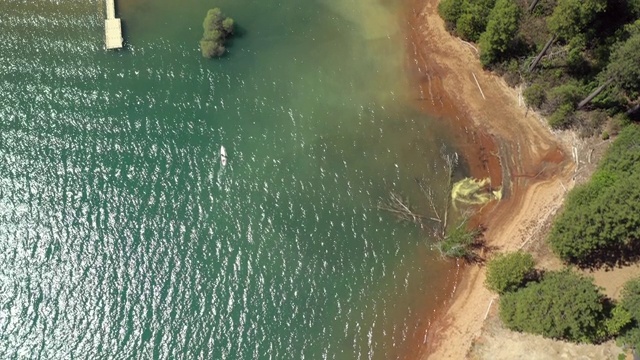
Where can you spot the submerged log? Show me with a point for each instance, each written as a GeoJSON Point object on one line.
{"type": "Point", "coordinates": [401, 208]}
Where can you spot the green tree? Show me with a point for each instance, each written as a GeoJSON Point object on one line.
{"type": "Point", "coordinates": [571, 17]}
{"type": "Point", "coordinates": [619, 320]}
{"type": "Point", "coordinates": [631, 303]}
{"type": "Point", "coordinates": [467, 17]}
{"type": "Point", "coordinates": [602, 230]}
{"type": "Point", "coordinates": [211, 48]}
{"type": "Point", "coordinates": [634, 7]}
{"type": "Point", "coordinates": [227, 25]}
{"type": "Point", "coordinates": [601, 220]}
{"type": "Point", "coordinates": [563, 305]}
{"type": "Point", "coordinates": [624, 66]}
{"type": "Point", "coordinates": [631, 298]}
{"type": "Point", "coordinates": [507, 272]}
{"type": "Point", "coordinates": [451, 10]}
{"type": "Point", "coordinates": [213, 20]}
{"type": "Point", "coordinates": [501, 30]}
{"type": "Point", "coordinates": [216, 30]}
{"type": "Point", "coordinates": [470, 25]}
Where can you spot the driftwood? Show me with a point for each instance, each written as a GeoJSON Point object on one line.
{"type": "Point", "coordinates": [594, 93]}
{"type": "Point", "coordinates": [400, 207]}
{"type": "Point", "coordinates": [544, 51]}
{"type": "Point", "coordinates": [477, 83]}
{"type": "Point", "coordinates": [452, 161]}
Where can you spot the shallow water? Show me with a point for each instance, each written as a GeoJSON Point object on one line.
{"type": "Point", "coordinates": [122, 236]}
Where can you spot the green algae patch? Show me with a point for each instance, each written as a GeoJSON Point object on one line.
{"type": "Point", "coordinates": [472, 191]}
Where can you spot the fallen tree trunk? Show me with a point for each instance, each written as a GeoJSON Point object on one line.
{"type": "Point", "coordinates": [633, 110]}
{"type": "Point", "coordinates": [594, 93]}
{"type": "Point", "coordinates": [533, 5]}
{"type": "Point", "coordinates": [541, 54]}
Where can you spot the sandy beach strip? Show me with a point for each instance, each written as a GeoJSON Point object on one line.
{"type": "Point", "coordinates": [500, 140]}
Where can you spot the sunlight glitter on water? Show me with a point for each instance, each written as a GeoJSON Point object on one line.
{"type": "Point", "coordinates": [124, 237]}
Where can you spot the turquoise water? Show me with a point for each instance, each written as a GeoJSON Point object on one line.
{"type": "Point", "coordinates": [122, 236]}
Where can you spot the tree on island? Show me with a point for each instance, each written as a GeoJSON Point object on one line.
{"type": "Point", "coordinates": [217, 28]}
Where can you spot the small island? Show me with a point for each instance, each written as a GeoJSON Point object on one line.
{"type": "Point", "coordinates": [217, 28]}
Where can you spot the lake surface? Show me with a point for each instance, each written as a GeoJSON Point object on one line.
{"type": "Point", "coordinates": [122, 236]}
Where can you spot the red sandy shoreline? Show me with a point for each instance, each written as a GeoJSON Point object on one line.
{"type": "Point", "coordinates": [500, 140]}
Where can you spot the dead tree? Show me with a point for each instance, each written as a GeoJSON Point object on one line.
{"type": "Point", "coordinates": [594, 93]}
{"type": "Point", "coordinates": [541, 54]}
{"type": "Point", "coordinates": [400, 207]}
{"type": "Point", "coordinates": [533, 6]}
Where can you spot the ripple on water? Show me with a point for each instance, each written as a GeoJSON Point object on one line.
{"type": "Point", "coordinates": [123, 237]}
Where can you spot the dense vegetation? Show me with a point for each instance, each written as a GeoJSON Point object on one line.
{"type": "Point", "coordinates": [562, 305]}
{"type": "Point", "coordinates": [567, 306]}
{"type": "Point", "coordinates": [507, 272]}
{"type": "Point", "coordinates": [630, 314]}
{"type": "Point", "coordinates": [562, 50]}
{"type": "Point", "coordinates": [601, 220]}
{"type": "Point", "coordinates": [579, 62]}
{"type": "Point", "coordinates": [217, 28]}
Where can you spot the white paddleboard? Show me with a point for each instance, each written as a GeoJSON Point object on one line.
{"type": "Point", "coordinates": [223, 156]}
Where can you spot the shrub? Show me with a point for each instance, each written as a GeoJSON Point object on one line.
{"type": "Point", "coordinates": [563, 305]}
{"type": "Point", "coordinates": [227, 25]}
{"type": "Point", "coordinates": [620, 319]}
{"type": "Point", "coordinates": [570, 93]}
{"type": "Point", "coordinates": [631, 338]}
{"type": "Point", "coordinates": [631, 303]}
{"type": "Point", "coordinates": [562, 118]}
{"type": "Point", "coordinates": [211, 48]}
{"type": "Point", "coordinates": [590, 122]}
{"type": "Point", "coordinates": [623, 156]}
{"type": "Point", "coordinates": [535, 95]}
{"type": "Point", "coordinates": [631, 298]}
{"type": "Point", "coordinates": [507, 272]}
{"type": "Point", "coordinates": [216, 30]}
{"type": "Point", "coordinates": [618, 122]}
{"type": "Point", "coordinates": [459, 242]}
{"type": "Point", "coordinates": [511, 73]}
